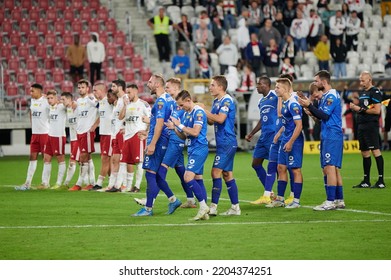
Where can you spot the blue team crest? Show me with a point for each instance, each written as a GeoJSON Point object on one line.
{"type": "Point", "coordinates": [296, 109]}
{"type": "Point", "coordinates": [329, 101]}
{"type": "Point", "coordinates": [178, 108]}
{"type": "Point", "coordinates": [199, 117]}
{"type": "Point", "coordinates": [224, 108]}
{"type": "Point", "coordinates": [160, 105]}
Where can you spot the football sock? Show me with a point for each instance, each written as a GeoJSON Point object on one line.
{"type": "Point", "coordinates": [61, 172]}
{"type": "Point", "coordinates": [162, 183]}
{"type": "Point", "coordinates": [99, 182]}
{"type": "Point", "coordinates": [84, 172]}
{"type": "Point", "coordinates": [232, 191]}
{"type": "Point", "coordinates": [339, 193]}
{"type": "Point", "coordinates": [47, 169]}
{"type": "Point", "coordinates": [113, 179]}
{"type": "Point", "coordinates": [380, 167]}
{"type": "Point", "coordinates": [91, 171]}
{"type": "Point", "coordinates": [281, 187]}
{"type": "Point", "coordinates": [297, 189]}
{"type": "Point", "coordinates": [80, 179]}
{"type": "Point", "coordinates": [270, 176]}
{"type": "Point", "coordinates": [325, 182]}
{"type": "Point", "coordinates": [180, 170]}
{"type": "Point", "coordinates": [129, 179]}
{"type": "Point", "coordinates": [367, 162]}
{"type": "Point", "coordinates": [139, 174]}
{"type": "Point", "coordinates": [331, 193]}
{"type": "Point", "coordinates": [291, 178]}
{"type": "Point", "coordinates": [30, 171]}
{"type": "Point", "coordinates": [121, 175]}
{"type": "Point", "coordinates": [196, 189]}
{"type": "Point", "coordinates": [203, 189]}
{"type": "Point", "coordinates": [70, 173]}
{"type": "Point", "coordinates": [261, 173]}
{"type": "Point", "coordinates": [152, 188]}
{"type": "Point", "coordinates": [216, 190]}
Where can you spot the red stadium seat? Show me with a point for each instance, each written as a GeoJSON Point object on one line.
{"type": "Point", "coordinates": [93, 25]}
{"type": "Point", "coordinates": [94, 4]}
{"type": "Point", "coordinates": [51, 15]}
{"type": "Point", "coordinates": [31, 63]}
{"type": "Point", "coordinates": [128, 75]}
{"type": "Point", "coordinates": [26, 4]}
{"type": "Point", "coordinates": [103, 14]}
{"type": "Point", "coordinates": [42, 26]}
{"type": "Point", "coordinates": [41, 51]}
{"type": "Point", "coordinates": [34, 14]}
{"type": "Point", "coordinates": [128, 50]}
{"type": "Point", "coordinates": [59, 26]}
{"type": "Point", "coordinates": [7, 26]}
{"type": "Point", "coordinates": [58, 75]}
{"type": "Point", "coordinates": [9, 4]}
{"type": "Point", "coordinates": [111, 74]}
{"type": "Point", "coordinates": [68, 14]}
{"type": "Point", "coordinates": [13, 63]}
{"type": "Point", "coordinates": [43, 4]}
{"type": "Point", "coordinates": [33, 38]}
{"type": "Point", "coordinates": [77, 4]}
{"type": "Point", "coordinates": [61, 4]}
{"type": "Point", "coordinates": [48, 85]}
{"type": "Point", "coordinates": [111, 50]}
{"type": "Point", "coordinates": [137, 62]}
{"type": "Point", "coordinates": [103, 38]}
{"type": "Point", "coordinates": [49, 63]}
{"type": "Point", "coordinates": [67, 38]}
{"type": "Point", "coordinates": [11, 89]}
{"type": "Point", "coordinates": [50, 39]}
{"type": "Point", "coordinates": [119, 63]}
{"type": "Point", "coordinates": [24, 51]}
{"type": "Point", "coordinates": [85, 14]}
{"type": "Point", "coordinates": [120, 38]}
{"type": "Point", "coordinates": [85, 37]}
{"type": "Point", "coordinates": [111, 25]}
{"type": "Point", "coordinates": [22, 76]}
{"type": "Point", "coordinates": [40, 76]}
{"type": "Point", "coordinates": [16, 14]}
{"type": "Point", "coordinates": [24, 26]}
{"type": "Point", "coordinates": [77, 26]}
{"type": "Point", "coordinates": [67, 86]}
{"type": "Point", "coordinates": [5, 51]}
{"type": "Point", "coordinates": [145, 73]}
{"type": "Point", "coordinates": [15, 39]}
{"type": "Point", "coordinates": [140, 85]}
{"type": "Point", "coordinates": [59, 51]}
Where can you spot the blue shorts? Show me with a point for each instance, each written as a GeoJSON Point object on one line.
{"type": "Point", "coordinates": [153, 162]}
{"type": "Point", "coordinates": [224, 158]}
{"type": "Point", "coordinates": [294, 158]}
{"type": "Point", "coordinates": [331, 152]}
{"type": "Point", "coordinates": [262, 148]}
{"type": "Point", "coordinates": [196, 159]}
{"type": "Point", "coordinates": [174, 154]}
{"type": "Point", "coordinates": [273, 153]}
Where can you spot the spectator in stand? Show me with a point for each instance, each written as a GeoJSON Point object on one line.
{"type": "Point", "coordinates": [269, 10]}
{"type": "Point", "coordinates": [325, 15]}
{"type": "Point", "coordinates": [76, 55]}
{"type": "Point", "coordinates": [315, 23]}
{"type": "Point", "coordinates": [339, 54]}
{"type": "Point", "coordinates": [271, 59]}
{"type": "Point", "coordinates": [299, 31]}
{"type": "Point", "coordinates": [186, 28]}
{"type": "Point", "coordinates": [322, 53]}
{"type": "Point", "coordinates": [204, 61]}
{"type": "Point", "coordinates": [96, 55]}
{"type": "Point", "coordinates": [288, 68]}
{"type": "Point", "coordinates": [289, 49]}
{"type": "Point", "coordinates": [321, 5]}
{"type": "Point", "coordinates": [229, 14]}
{"type": "Point", "coordinates": [248, 79]}
{"type": "Point", "coordinates": [268, 32]}
{"type": "Point", "coordinates": [385, 7]}
{"type": "Point", "coordinates": [228, 54]}
{"type": "Point", "coordinates": [218, 31]}
{"type": "Point", "coordinates": [181, 64]}
{"type": "Point", "coordinates": [358, 6]}
{"type": "Point", "coordinates": [352, 29]}
{"type": "Point", "coordinates": [203, 37]}
{"type": "Point", "coordinates": [280, 26]}
{"type": "Point", "coordinates": [256, 18]}
{"type": "Point", "coordinates": [388, 62]}
{"type": "Point", "coordinates": [289, 12]}
{"type": "Point", "coordinates": [243, 37]}
{"type": "Point", "coordinates": [160, 25]}
{"type": "Point", "coordinates": [203, 17]}
{"type": "Point", "coordinates": [337, 27]}
{"type": "Point", "coordinates": [345, 11]}
{"type": "Point", "coordinates": [245, 14]}
{"type": "Point", "coordinates": [254, 51]}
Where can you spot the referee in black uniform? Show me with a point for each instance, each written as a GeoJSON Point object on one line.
{"type": "Point", "coordinates": [368, 110]}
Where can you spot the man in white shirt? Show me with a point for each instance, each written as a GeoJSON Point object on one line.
{"type": "Point", "coordinates": [353, 25]}
{"type": "Point", "coordinates": [39, 115]}
{"type": "Point", "coordinates": [55, 145]}
{"type": "Point", "coordinates": [337, 27]}
{"type": "Point", "coordinates": [228, 55]}
{"type": "Point", "coordinates": [96, 55]}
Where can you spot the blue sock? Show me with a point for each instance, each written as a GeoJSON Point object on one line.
{"type": "Point", "coordinates": [216, 190]}
{"type": "Point", "coordinates": [232, 189]}
{"type": "Point", "coordinates": [152, 188]}
{"type": "Point", "coordinates": [291, 179]}
{"type": "Point", "coordinates": [162, 183]}
{"type": "Point", "coordinates": [325, 182]}
{"type": "Point", "coordinates": [203, 189]}
{"type": "Point", "coordinates": [339, 193]}
{"type": "Point", "coordinates": [270, 176]}
{"type": "Point", "coordinates": [196, 189]}
{"type": "Point", "coordinates": [261, 173]}
{"type": "Point", "coordinates": [281, 187]}
{"type": "Point", "coordinates": [180, 170]}
{"type": "Point", "coordinates": [297, 188]}
{"type": "Point", "coordinates": [331, 193]}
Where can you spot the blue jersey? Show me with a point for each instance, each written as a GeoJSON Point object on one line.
{"type": "Point", "coordinates": [330, 103]}
{"type": "Point", "coordinates": [196, 117]}
{"type": "Point", "coordinates": [225, 132]}
{"type": "Point", "coordinates": [268, 112]}
{"type": "Point", "coordinates": [177, 112]}
{"type": "Point", "coordinates": [291, 111]}
{"type": "Point", "coordinates": [161, 110]}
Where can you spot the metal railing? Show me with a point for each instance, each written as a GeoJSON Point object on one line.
{"type": "Point", "coordinates": [2, 92]}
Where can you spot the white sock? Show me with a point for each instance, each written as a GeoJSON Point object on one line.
{"type": "Point", "coordinates": [172, 198]}
{"type": "Point", "coordinates": [191, 200]}
{"type": "Point", "coordinates": [292, 194]}
{"type": "Point", "coordinates": [84, 172]}
{"type": "Point", "coordinates": [266, 193]}
{"type": "Point", "coordinates": [100, 180]}
{"type": "Point", "coordinates": [121, 175]}
{"type": "Point", "coordinates": [31, 171]}
{"type": "Point", "coordinates": [61, 172]}
{"type": "Point", "coordinates": [113, 179]}
{"type": "Point", "coordinates": [297, 200]}
{"type": "Point", "coordinates": [139, 175]}
{"type": "Point", "coordinates": [129, 179]}
{"type": "Point", "coordinates": [80, 179]}
{"type": "Point", "coordinates": [47, 170]}
{"type": "Point", "coordinates": [91, 171]}
{"type": "Point", "coordinates": [203, 204]}
{"type": "Point", "coordinates": [71, 172]}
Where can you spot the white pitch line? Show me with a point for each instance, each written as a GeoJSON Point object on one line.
{"type": "Point", "coordinates": [196, 224]}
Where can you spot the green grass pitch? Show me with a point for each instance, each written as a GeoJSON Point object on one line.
{"type": "Point", "coordinates": [62, 225]}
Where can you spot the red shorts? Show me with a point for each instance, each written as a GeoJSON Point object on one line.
{"type": "Point", "coordinates": [105, 145]}
{"type": "Point", "coordinates": [38, 143]}
{"type": "Point", "coordinates": [117, 143]}
{"type": "Point", "coordinates": [75, 152]}
{"type": "Point", "coordinates": [86, 142]}
{"type": "Point", "coordinates": [55, 146]}
{"type": "Point", "coordinates": [133, 150]}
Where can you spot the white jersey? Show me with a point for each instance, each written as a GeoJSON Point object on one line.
{"type": "Point", "coordinates": [57, 120]}
{"type": "Point", "coordinates": [39, 115]}
{"type": "Point", "coordinates": [105, 114]}
{"type": "Point", "coordinates": [118, 124]}
{"type": "Point", "coordinates": [133, 117]}
{"type": "Point", "coordinates": [86, 114]}
{"type": "Point", "coordinates": [72, 123]}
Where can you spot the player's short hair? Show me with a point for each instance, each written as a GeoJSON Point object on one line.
{"type": "Point", "coordinates": [287, 76]}
{"type": "Point", "coordinates": [367, 73]}
{"type": "Point", "coordinates": [100, 84]}
{"type": "Point", "coordinates": [37, 86]}
{"type": "Point", "coordinates": [265, 79]}
{"type": "Point", "coordinates": [67, 94]}
{"type": "Point", "coordinates": [285, 82]}
{"type": "Point", "coordinates": [120, 83]}
{"type": "Point", "coordinates": [182, 95]}
{"type": "Point", "coordinates": [132, 85]}
{"type": "Point", "coordinates": [51, 92]}
{"type": "Point", "coordinates": [175, 81]}
{"type": "Point", "coordinates": [312, 88]}
{"type": "Point", "coordinates": [159, 78]}
{"type": "Point", "coordinates": [84, 81]}
{"type": "Point", "coordinates": [324, 75]}
{"type": "Point", "coordinates": [221, 81]}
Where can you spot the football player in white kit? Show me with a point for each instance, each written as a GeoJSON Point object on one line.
{"type": "Point", "coordinates": [134, 110]}
{"type": "Point", "coordinates": [39, 115]}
